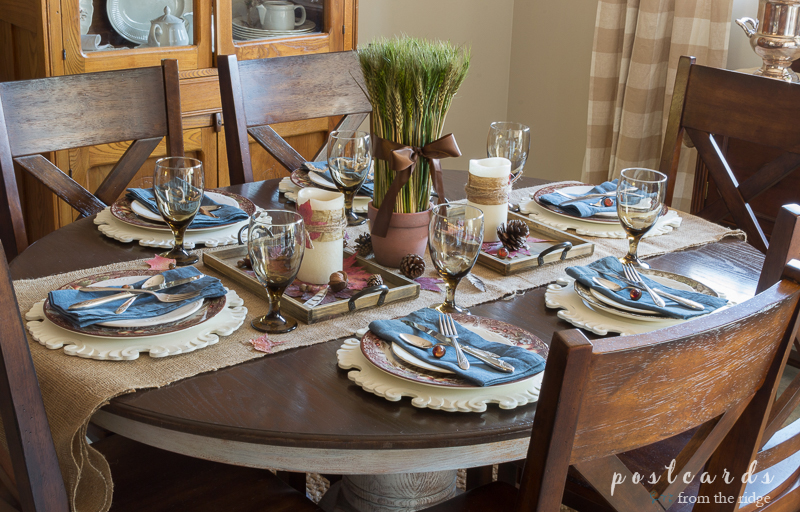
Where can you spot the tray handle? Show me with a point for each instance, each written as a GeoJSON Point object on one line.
{"type": "Point", "coordinates": [351, 304]}
{"type": "Point", "coordinates": [566, 246]}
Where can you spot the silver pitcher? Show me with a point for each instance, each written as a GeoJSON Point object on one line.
{"type": "Point", "coordinates": [775, 37]}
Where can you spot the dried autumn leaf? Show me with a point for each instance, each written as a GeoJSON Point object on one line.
{"type": "Point", "coordinates": [160, 263]}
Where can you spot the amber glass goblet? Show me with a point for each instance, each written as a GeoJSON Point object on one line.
{"type": "Point", "coordinates": [276, 243]}
{"type": "Point", "coordinates": [455, 235]}
{"type": "Point", "coordinates": [640, 202]}
{"type": "Point", "coordinates": [178, 190]}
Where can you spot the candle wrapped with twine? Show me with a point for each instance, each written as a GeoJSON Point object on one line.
{"type": "Point", "coordinates": [324, 218]}
{"type": "Point", "coordinates": [487, 189]}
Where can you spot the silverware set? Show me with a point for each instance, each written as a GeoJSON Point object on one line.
{"type": "Point", "coordinates": [448, 335]}
{"type": "Point", "coordinates": [123, 293]}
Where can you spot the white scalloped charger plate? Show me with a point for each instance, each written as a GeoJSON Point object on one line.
{"type": "Point", "coordinates": [125, 349]}
{"type": "Point", "coordinates": [666, 224]}
{"type": "Point", "coordinates": [118, 230]}
{"type": "Point", "coordinates": [451, 399]}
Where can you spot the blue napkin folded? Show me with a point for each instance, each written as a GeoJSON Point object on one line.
{"type": "Point", "coordinates": [321, 169]}
{"type": "Point", "coordinates": [225, 213]}
{"type": "Point", "coordinates": [146, 306]}
{"type": "Point", "coordinates": [611, 265]}
{"type": "Point", "coordinates": [525, 362]}
{"type": "Point", "coordinates": [584, 208]}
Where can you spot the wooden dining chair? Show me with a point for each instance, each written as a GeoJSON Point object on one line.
{"type": "Point", "coordinates": [259, 93]}
{"type": "Point", "coordinates": [67, 112]}
{"type": "Point", "coordinates": [717, 374]}
{"type": "Point", "coordinates": [145, 478]}
{"type": "Point", "coordinates": [712, 106]}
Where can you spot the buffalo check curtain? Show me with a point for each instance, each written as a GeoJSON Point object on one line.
{"type": "Point", "coordinates": [637, 44]}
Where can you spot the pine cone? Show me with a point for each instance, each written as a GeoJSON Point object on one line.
{"type": "Point", "coordinates": [513, 235]}
{"type": "Point", "coordinates": [412, 266]}
{"type": "Point", "coordinates": [364, 245]}
{"type": "Point", "coordinates": [375, 280]}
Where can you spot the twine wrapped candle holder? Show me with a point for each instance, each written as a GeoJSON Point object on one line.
{"type": "Point", "coordinates": [323, 214]}
{"type": "Point", "coordinates": [487, 189]}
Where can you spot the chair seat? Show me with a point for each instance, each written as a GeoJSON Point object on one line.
{"type": "Point", "coordinates": [154, 480]}
{"type": "Point", "coordinates": [497, 496]}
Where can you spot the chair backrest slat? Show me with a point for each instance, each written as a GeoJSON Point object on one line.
{"type": "Point", "coordinates": [84, 110]}
{"type": "Point", "coordinates": [39, 482]}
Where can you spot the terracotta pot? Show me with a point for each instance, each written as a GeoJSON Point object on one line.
{"type": "Point", "coordinates": [408, 234]}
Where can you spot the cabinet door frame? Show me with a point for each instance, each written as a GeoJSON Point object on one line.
{"type": "Point", "coordinates": [75, 61]}
{"type": "Point", "coordinates": [332, 38]}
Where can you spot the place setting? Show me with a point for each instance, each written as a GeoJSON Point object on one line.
{"type": "Point", "coordinates": [588, 210]}
{"type": "Point", "coordinates": [624, 295]}
{"type": "Point", "coordinates": [444, 357]}
{"type": "Point", "coordinates": [137, 215]}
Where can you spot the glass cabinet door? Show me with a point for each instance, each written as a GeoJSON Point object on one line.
{"type": "Point", "coordinates": [102, 35]}
{"type": "Point", "coordinates": [255, 29]}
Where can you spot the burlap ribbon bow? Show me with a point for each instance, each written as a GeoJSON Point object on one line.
{"type": "Point", "coordinates": [403, 160]}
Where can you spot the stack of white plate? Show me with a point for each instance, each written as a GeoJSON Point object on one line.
{"type": "Point", "coordinates": [241, 32]}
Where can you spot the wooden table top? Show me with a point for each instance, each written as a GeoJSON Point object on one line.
{"type": "Point", "coordinates": [301, 398]}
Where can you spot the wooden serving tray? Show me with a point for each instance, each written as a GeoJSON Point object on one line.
{"type": "Point", "coordinates": [397, 287]}
{"type": "Point", "coordinates": [563, 246]}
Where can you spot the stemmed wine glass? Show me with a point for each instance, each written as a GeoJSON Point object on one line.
{"type": "Point", "coordinates": [349, 157]}
{"type": "Point", "coordinates": [455, 235]}
{"type": "Point", "coordinates": [178, 191]}
{"type": "Point", "coordinates": [276, 242]}
{"type": "Point", "coordinates": [511, 141]}
{"type": "Point", "coordinates": [640, 202]}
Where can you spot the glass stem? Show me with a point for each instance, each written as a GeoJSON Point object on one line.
{"type": "Point", "coordinates": [274, 312]}
{"type": "Point", "coordinates": [450, 293]}
{"type": "Point", "coordinates": [179, 235]}
{"type": "Point", "coordinates": [633, 246]}
{"type": "Point", "coordinates": [348, 202]}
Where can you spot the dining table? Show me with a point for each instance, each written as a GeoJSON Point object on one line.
{"type": "Point", "coordinates": [297, 411]}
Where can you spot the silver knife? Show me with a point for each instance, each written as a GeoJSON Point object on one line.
{"type": "Point", "coordinates": [680, 300]}
{"type": "Point", "coordinates": [124, 295]}
{"type": "Point", "coordinates": [317, 298]}
{"type": "Point", "coordinates": [489, 358]}
{"type": "Point", "coordinates": [588, 196]}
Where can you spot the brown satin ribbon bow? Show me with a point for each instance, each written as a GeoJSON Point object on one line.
{"type": "Point", "coordinates": [403, 160]}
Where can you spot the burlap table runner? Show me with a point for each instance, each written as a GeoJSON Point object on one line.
{"type": "Point", "coordinates": [74, 388]}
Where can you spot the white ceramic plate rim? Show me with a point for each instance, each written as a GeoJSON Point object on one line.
{"type": "Point", "coordinates": [410, 358]}
{"type": "Point", "coordinates": [320, 181]}
{"type": "Point", "coordinates": [144, 212]}
{"type": "Point", "coordinates": [172, 316]}
{"type": "Point", "coordinates": [131, 18]}
{"type": "Point", "coordinates": [581, 190]}
{"type": "Point", "coordinates": [619, 309]}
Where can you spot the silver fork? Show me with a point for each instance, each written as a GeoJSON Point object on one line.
{"type": "Point", "coordinates": [161, 297]}
{"type": "Point", "coordinates": [633, 275]}
{"type": "Point", "coordinates": [448, 329]}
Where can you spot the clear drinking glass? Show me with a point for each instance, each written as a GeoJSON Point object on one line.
{"type": "Point", "coordinates": [276, 243]}
{"type": "Point", "coordinates": [455, 235]}
{"type": "Point", "coordinates": [640, 202]}
{"type": "Point", "coordinates": [349, 157]}
{"type": "Point", "coordinates": [512, 141]}
{"type": "Point", "coordinates": [178, 190]}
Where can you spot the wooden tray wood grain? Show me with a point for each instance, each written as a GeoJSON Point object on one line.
{"type": "Point", "coordinates": [400, 288]}
{"type": "Point", "coordinates": [507, 266]}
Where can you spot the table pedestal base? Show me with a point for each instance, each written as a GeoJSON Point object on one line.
{"type": "Point", "coordinates": [403, 492]}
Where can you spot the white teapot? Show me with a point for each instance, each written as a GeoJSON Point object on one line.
{"type": "Point", "coordinates": [167, 30]}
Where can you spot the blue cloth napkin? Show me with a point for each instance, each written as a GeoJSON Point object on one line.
{"type": "Point", "coordinates": [321, 169]}
{"type": "Point", "coordinates": [225, 213]}
{"type": "Point", "coordinates": [612, 266]}
{"type": "Point", "coordinates": [525, 362]}
{"type": "Point", "coordinates": [584, 208]}
{"type": "Point", "coordinates": [146, 306]}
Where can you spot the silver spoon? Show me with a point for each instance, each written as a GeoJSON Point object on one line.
{"type": "Point", "coordinates": [153, 281]}
{"type": "Point", "coordinates": [614, 287]}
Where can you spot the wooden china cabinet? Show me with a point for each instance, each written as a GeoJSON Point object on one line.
{"type": "Point", "coordinates": [42, 38]}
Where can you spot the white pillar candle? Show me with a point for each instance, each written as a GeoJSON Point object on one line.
{"type": "Point", "coordinates": [493, 214]}
{"type": "Point", "coordinates": [325, 257]}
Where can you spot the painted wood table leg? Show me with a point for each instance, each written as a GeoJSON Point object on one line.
{"type": "Point", "coordinates": [404, 492]}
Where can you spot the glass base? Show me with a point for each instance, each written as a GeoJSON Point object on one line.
{"type": "Point", "coordinates": [633, 260]}
{"type": "Point", "coordinates": [355, 220]}
{"type": "Point", "coordinates": [181, 257]}
{"type": "Point", "coordinates": [444, 307]}
{"type": "Point", "coordinates": [276, 325]}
